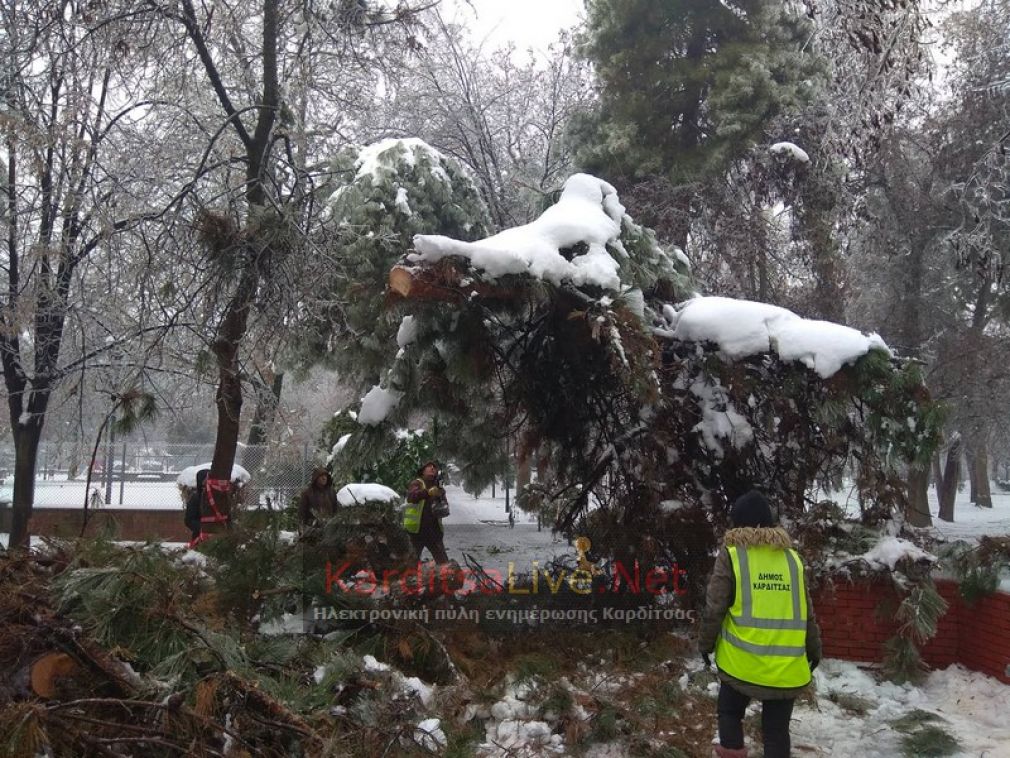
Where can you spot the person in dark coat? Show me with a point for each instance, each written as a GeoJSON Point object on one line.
{"type": "Point", "coordinates": [194, 506]}
{"type": "Point", "coordinates": [318, 501]}
{"type": "Point", "coordinates": [764, 634]}
{"type": "Point", "coordinates": [424, 497]}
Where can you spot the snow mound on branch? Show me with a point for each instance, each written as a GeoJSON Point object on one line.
{"type": "Point", "coordinates": [407, 332]}
{"type": "Point", "coordinates": [588, 212]}
{"type": "Point", "coordinates": [187, 477]}
{"type": "Point", "coordinates": [339, 445]}
{"type": "Point", "coordinates": [380, 158]}
{"type": "Point", "coordinates": [378, 404]}
{"type": "Point", "coordinates": [742, 328]}
{"type": "Point", "coordinates": [795, 152]}
{"type": "Point", "coordinates": [719, 419]}
{"type": "Point", "coordinates": [367, 492]}
{"type": "Point", "coordinates": [890, 550]}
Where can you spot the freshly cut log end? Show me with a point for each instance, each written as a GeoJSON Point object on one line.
{"type": "Point", "coordinates": [401, 281]}
{"type": "Point", "coordinates": [46, 670]}
{"type": "Point", "coordinates": [442, 282]}
{"type": "Point", "coordinates": [424, 283]}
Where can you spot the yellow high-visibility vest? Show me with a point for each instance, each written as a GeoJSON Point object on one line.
{"type": "Point", "coordinates": [764, 636]}
{"type": "Point", "coordinates": [412, 513]}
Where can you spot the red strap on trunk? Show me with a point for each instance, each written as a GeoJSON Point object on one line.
{"type": "Point", "coordinates": [210, 485]}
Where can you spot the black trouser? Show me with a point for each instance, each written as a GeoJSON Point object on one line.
{"type": "Point", "coordinates": [192, 518]}
{"type": "Point", "coordinates": [775, 716]}
{"type": "Point", "coordinates": [432, 541]}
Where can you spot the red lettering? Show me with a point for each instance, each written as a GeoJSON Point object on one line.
{"type": "Point", "coordinates": [490, 584]}
{"type": "Point", "coordinates": [655, 580]}
{"type": "Point", "coordinates": [620, 572]}
{"type": "Point", "coordinates": [418, 586]}
{"type": "Point", "coordinates": [363, 589]}
{"type": "Point", "coordinates": [332, 578]}
{"type": "Point", "coordinates": [388, 574]}
{"type": "Point", "coordinates": [678, 574]}
{"type": "Point", "coordinates": [447, 573]}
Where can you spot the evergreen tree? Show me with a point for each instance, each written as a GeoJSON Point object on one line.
{"type": "Point", "coordinates": [687, 86]}
{"type": "Point", "coordinates": [514, 340]}
{"type": "Point", "coordinates": [397, 188]}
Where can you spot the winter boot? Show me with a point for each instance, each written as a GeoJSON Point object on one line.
{"type": "Point", "coordinates": [727, 752]}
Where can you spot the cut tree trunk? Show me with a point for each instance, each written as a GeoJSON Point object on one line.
{"type": "Point", "coordinates": [48, 669]}
{"type": "Point", "coordinates": [441, 282]}
{"type": "Point", "coordinates": [948, 489]}
{"type": "Point", "coordinates": [918, 502]}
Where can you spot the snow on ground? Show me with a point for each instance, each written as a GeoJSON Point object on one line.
{"type": "Point", "coordinates": [970, 521]}
{"type": "Point", "coordinates": [64, 493]}
{"type": "Point", "coordinates": [972, 707]}
{"type": "Point", "coordinates": [477, 526]}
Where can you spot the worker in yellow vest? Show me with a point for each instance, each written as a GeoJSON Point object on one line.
{"type": "Point", "coordinates": [760, 623]}
{"type": "Point", "coordinates": [423, 514]}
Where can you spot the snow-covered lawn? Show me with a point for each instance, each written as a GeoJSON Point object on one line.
{"type": "Point", "coordinates": [971, 707]}
{"type": "Point", "coordinates": [970, 521]}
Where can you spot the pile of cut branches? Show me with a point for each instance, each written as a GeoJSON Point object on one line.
{"type": "Point", "coordinates": [110, 650]}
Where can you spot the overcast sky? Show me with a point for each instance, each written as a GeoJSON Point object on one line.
{"type": "Point", "coordinates": [528, 23]}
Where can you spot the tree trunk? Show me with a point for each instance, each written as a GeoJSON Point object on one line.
{"type": "Point", "coordinates": [266, 411]}
{"type": "Point", "coordinates": [259, 432]}
{"type": "Point", "coordinates": [937, 473]}
{"type": "Point", "coordinates": [26, 453]}
{"type": "Point", "coordinates": [764, 285]}
{"type": "Point", "coordinates": [523, 471]}
{"type": "Point", "coordinates": [228, 398]}
{"type": "Point", "coordinates": [256, 255]}
{"type": "Point", "coordinates": [972, 478]}
{"type": "Point", "coordinates": [978, 467]}
{"type": "Point", "coordinates": [918, 502]}
{"type": "Point", "coordinates": [826, 269]}
{"type": "Point", "coordinates": [948, 489]}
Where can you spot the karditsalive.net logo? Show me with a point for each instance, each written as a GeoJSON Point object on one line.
{"type": "Point", "coordinates": [519, 580]}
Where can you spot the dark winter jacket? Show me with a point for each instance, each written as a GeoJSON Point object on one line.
{"type": "Point", "coordinates": [722, 592]}
{"type": "Point", "coordinates": [317, 503]}
{"type": "Point", "coordinates": [194, 504]}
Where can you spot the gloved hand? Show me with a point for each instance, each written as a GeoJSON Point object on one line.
{"type": "Point", "coordinates": [814, 663]}
{"type": "Point", "coordinates": [436, 492]}
{"type": "Point", "coordinates": [708, 661]}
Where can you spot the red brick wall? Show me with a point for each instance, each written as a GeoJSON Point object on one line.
{"type": "Point", "coordinates": [128, 524]}
{"type": "Point", "coordinates": [856, 620]}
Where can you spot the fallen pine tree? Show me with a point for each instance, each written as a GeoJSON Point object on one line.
{"type": "Point", "coordinates": [123, 650]}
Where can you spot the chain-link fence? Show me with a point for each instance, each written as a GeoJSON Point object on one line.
{"type": "Point", "coordinates": [144, 474]}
